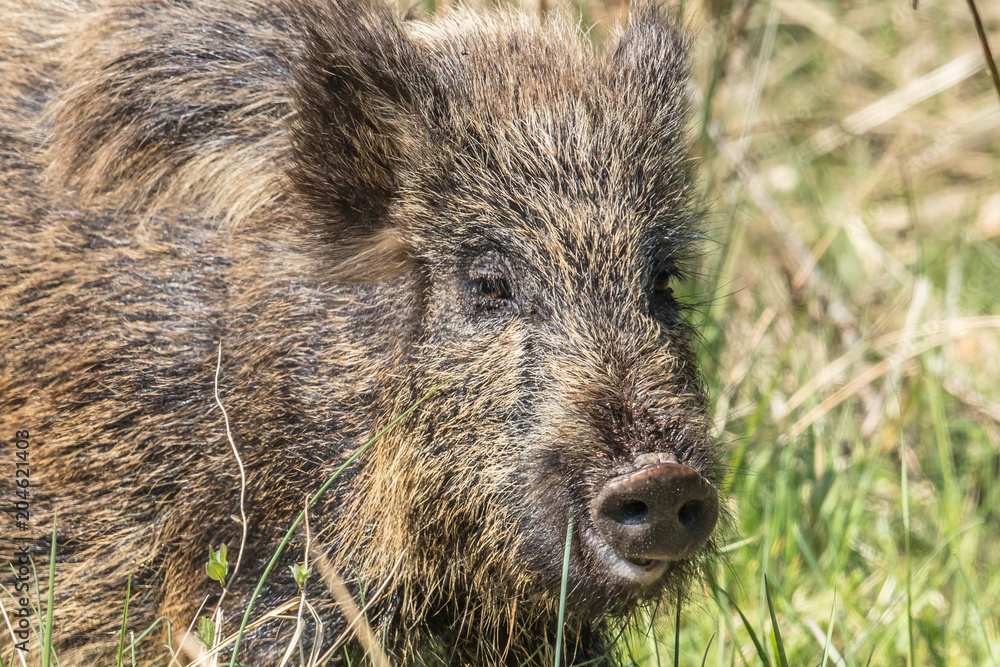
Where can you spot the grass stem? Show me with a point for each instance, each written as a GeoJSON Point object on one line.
{"type": "Point", "coordinates": [562, 594]}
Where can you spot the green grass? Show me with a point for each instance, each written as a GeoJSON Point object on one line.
{"type": "Point", "coordinates": [869, 499]}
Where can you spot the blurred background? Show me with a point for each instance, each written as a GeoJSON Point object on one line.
{"type": "Point", "coordinates": [848, 301]}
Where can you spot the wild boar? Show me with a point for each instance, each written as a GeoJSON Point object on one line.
{"type": "Point", "coordinates": [360, 208]}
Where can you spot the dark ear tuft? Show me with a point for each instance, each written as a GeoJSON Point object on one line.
{"type": "Point", "coordinates": [649, 64]}
{"type": "Point", "coordinates": [647, 72]}
{"type": "Point", "coordinates": [361, 128]}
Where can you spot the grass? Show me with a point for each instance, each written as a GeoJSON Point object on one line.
{"type": "Point", "coordinates": [850, 335]}
{"type": "Point", "coordinates": [562, 592]}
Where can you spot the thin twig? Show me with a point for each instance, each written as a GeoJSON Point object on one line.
{"type": "Point", "coordinates": [217, 636]}
{"type": "Point", "coordinates": [243, 516]}
{"type": "Point", "coordinates": [987, 52]}
{"type": "Point", "coordinates": [299, 623]}
{"type": "Point", "coordinates": [243, 476]}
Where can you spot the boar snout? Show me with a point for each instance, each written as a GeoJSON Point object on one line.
{"type": "Point", "coordinates": [658, 513]}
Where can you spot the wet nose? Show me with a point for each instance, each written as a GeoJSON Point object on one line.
{"type": "Point", "coordinates": [661, 512]}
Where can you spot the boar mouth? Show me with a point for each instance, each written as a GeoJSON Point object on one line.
{"type": "Point", "coordinates": [637, 571]}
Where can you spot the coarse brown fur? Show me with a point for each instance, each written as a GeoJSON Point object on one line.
{"type": "Point", "coordinates": [359, 208]}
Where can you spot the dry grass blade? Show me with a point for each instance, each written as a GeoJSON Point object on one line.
{"type": "Point", "coordinates": [831, 654]}
{"type": "Point", "coordinates": [864, 378]}
{"type": "Point", "coordinates": [278, 612]}
{"type": "Point", "coordinates": [935, 333]}
{"type": "Point", "coordinates": [562, 594]}
{"type": "Point", "coordinates": [829, 28]}
{"type": "Point", "coordinates": [13, 637]}
{"type": "Point", "coordinates": [975, 400]}
{"type": "Point", "coordinates": [864, 120]}
{"type": "Point", "coordinates": [355, 616]}
{"type": "Point", "coordinates": [188, 644]}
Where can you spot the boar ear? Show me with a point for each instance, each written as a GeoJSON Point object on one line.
{"type": "Point", "coordinates": [359, 131]}
{"type": "Point", "coordinates": [647, 73]}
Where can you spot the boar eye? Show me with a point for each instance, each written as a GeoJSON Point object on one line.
{"type": "Point", "coordinates": [664, 274]}
{"type": "Point", "coordinates": [493, 287]}
{"type": "Point", "coordinates": [661, 283]}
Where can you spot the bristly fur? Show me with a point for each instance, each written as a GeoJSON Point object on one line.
{"type": "Point", "coordinates": [324, 187]}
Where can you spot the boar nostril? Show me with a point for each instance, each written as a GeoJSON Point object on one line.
{"type": "Point", "coordinates": [690, 514]}
{"type": "Point", "coordinates": [630, 513]}
{"type": "Point", "coordinates": [664, 511]}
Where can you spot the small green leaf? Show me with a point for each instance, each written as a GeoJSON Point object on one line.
{"type": "Point", "coordinates": [300, 574]}
{"type": "Point", "coordinates": [217, 566]}
{"type": "Point", "coordinates": [206, 632]}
